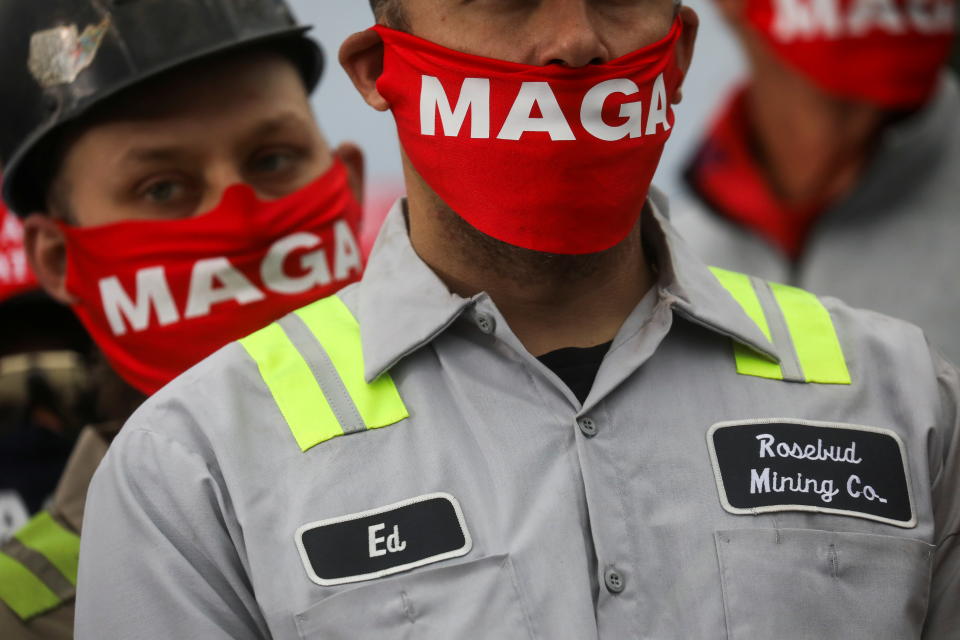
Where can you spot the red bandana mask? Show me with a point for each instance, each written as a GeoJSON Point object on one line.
{"type": "Point", "coordinates": [883, 52]}
{"type": "Point", "coordinates": [547, 158]}
{"type": "Point", "coordinates": [726, 175]}
{"type": "Point", "coordinates": [15, 275]}
{"type": "Point", "coordinates": [159, 296]}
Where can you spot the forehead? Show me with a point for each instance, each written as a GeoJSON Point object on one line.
{"type": "Point", "coordinates": [221, 87]}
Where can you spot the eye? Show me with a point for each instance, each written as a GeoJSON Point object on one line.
{"type": "Point", "coordinates": [165, 191]}
{"type": "Point", "coordinates": [274, 162]}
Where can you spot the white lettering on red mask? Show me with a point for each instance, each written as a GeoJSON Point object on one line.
{"type": "Point", "coordinates": [883, 52]}
{"type": "Point", "coordinates": [549, 158]}
{"type": "Point", "coordinates": [474, 100]}
{"type": "Point", "coordinates": [15, 275]}
{"type": "Point", "coordinates": [159, 296]}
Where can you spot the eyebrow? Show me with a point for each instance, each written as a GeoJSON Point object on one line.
{"type": "Point", "coordinates": [278, 123]}
{"type": "Point", "coordinates": [173, 153]}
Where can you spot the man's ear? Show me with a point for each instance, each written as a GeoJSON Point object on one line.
{"type": "Point", "coordinates": [361, 56]}
{"type": "Point", "coordinates": [685, 46]}
{"type": "Point", "coordinates": [352, 157]}
{"type": "Point", "coordinates": [46, 247]}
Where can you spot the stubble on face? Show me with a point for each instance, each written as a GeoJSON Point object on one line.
{"type": "Point", "coordinates": [521, 265]}
{"type": "Point", "coordinates": [480, 253]}
{"type": "Point", "coordinates": [451, 233]}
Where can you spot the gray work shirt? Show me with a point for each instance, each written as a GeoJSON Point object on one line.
{"type": "Point", "coordinates": [891, 245]}
{"type": "Point", "coordinates": [600, 520]}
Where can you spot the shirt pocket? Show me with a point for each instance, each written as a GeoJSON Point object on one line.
{"type": "Point", "coordinates": [452, 601]}
{"type": "Point", "coordinates": [798, 584]}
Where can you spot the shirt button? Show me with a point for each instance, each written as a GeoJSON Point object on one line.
{"type": "Point", "coordinates": [486, 323]}
{"type": "Point", "coordinates": [614, 580]}
{"type": "Point", "coordinates": [588, 426]}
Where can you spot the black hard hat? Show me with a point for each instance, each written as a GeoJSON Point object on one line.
{"type": "Point", "coordinates": [60, 58]}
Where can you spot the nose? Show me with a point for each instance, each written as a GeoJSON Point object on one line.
{"type": "Point", "coordinates": [219, 177]}
{"type": "Point", "coordinates": [569, 36]}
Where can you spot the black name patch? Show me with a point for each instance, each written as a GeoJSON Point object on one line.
{"type": "Point", "coordinates": [795, 465]}
{"type": "Point", "coordinates": [383, 541]}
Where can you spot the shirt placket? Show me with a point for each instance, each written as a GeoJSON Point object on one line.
{"type": "Point", "coordinates": [607, 509]}
{"type": "Point", "coordinates": [600, 456]}
{"type": "Point", "coordinates": [606, 449]}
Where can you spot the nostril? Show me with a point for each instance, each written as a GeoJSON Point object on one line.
{"type": "Point", "coordinates": [565, 63]}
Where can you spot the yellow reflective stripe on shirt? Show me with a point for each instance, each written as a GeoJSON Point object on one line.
{"type": "Point", "coordinates": [335, 328]}
{"type": "Point", "coordinates": [749, 362]}
{"type": "Point", "coordinates": [814, 336]}
{"type": "Point", "coordinates": [293, 386]}
{"type": "Point", "coordinates": [23, 591]}
{"type": "Point", "coordinates": [740, 287]}
{"type": "Point", "coordinates": [812, 333]}
{"type": "Point", "coordinates": [54, 542]}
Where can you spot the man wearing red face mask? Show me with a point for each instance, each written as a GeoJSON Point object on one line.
{"type": "Point", "coordinates": [537, 415]}
{"type": "Point", "coordinates": [44, 384]}
{"type": "Point", "coordinates": [177, 194]}
{"type": "Point", "coordinates": [835, 167]}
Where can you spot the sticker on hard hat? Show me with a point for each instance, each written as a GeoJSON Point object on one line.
{"type": "Point", "coordinates": [771, 465]}
{"type": "Point", "coordinates": [383, 541]}
{"type": "Point", "coordinates": [58, 55]}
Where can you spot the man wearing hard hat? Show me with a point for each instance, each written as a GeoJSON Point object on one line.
{"type": "Point", "coordinates": [45, 395]}
{"type": "Point", "coordinates": [176, 193]}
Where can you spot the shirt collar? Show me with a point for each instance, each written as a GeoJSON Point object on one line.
{"type": "Point", "coordinates": [690, 285]}
{"type": "Point", "coordinates": [725, 174]}
{"type": "Point", "coordinates": [402, 305]}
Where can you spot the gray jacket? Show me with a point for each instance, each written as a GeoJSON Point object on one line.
{"type": "Point", "coordinates": [683, 499]}
{"type": "Point", "coordinates": [891, 245]}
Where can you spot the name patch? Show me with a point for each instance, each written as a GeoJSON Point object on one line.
{"type": "Point", "coordinates": [383, 541]}
{"type": "Point", "coordinates": [762, 466]}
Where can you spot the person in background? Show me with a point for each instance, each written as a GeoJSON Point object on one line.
{"type": "Point", "coordinates": [177, 193]}
{"type": "Point", "coordinates": [44, 384]}
{"type": "Point", "coordinates": [835, 166]}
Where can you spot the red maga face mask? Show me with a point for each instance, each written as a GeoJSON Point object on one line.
{"type": "Point", "coordinates": [548, 158]}
{"type": "Point", "coordinates": [883, 52]}
{"type": "Point", "coordinates": [15, 275]}
{"type": "Point", "coordinates": [159, 296]}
